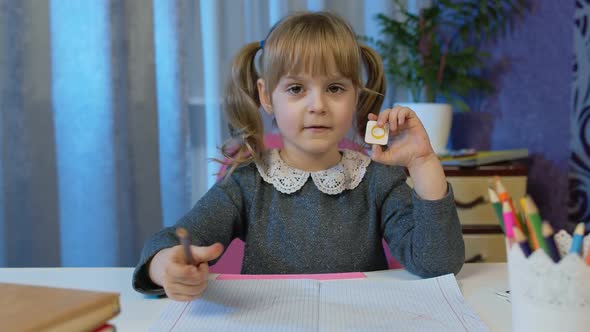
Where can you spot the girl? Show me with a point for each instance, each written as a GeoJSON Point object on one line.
{"type": "Point", "coordinates": [310, 207]}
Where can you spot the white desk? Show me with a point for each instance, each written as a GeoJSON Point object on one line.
{"type": "Point", "coordinates": [478, 282]}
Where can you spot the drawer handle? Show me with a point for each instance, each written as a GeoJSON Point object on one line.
{"type": "Point", "coordinates": [475, 259]}
{"type": "Point", "coordinates": [472, 204]}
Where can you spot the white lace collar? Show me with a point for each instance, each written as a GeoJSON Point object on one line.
{"type": "Point", "coordinates": [346, 175]}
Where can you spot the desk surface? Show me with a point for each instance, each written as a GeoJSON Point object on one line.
{"type": "Point", "coordinates": [478, 282]}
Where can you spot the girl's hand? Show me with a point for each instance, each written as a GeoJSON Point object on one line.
{"type": "Point", "coordinates": [409, 144]}
{"type": "Point", "coordinates": [410, 147]}
{"type": "Point", "coordinates": [183, 282]}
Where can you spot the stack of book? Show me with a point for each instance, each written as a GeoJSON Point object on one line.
{"type": "Point", "coordinates": [472, 158]}
{"type": "Point", "coordinates": [38, 308]}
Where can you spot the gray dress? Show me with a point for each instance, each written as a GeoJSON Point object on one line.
{"type": "Point", "coordinates": [310, 231]}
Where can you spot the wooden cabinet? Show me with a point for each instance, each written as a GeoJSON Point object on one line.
{"type": "Point", "coordinates": [484, 240]}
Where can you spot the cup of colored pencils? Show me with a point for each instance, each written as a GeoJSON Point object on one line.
{"type": "Point", "coordinates": [549, 272]}
{"type": "Point", "coordinates": [545, 295]}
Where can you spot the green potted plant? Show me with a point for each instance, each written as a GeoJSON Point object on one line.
{"type": "Point", "coordinates": [436, 54]}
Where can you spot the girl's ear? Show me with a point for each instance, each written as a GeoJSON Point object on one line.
{"type": "Point", "coordinates": [264, 97]}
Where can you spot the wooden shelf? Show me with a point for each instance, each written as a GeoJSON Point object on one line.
{"type": "Point", "coordinates": [513, 168]}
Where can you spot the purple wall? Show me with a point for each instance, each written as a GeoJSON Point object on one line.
{"type": "Point", "coordinates": [532, 106]}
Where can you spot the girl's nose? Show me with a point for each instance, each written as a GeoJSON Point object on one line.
{"type": "Point", "coordinates": [317, 103]}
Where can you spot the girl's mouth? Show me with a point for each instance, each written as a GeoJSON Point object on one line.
{"type": "Point", "coordinates": [317, 129]}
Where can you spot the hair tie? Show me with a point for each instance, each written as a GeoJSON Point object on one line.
{"type": "Point", "coordinates": [262, 44]}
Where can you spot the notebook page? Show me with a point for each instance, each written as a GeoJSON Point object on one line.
{"type": "Point", "coordinates": [428, 305]}
{"type": "Point", "coordinates": [246, 305]}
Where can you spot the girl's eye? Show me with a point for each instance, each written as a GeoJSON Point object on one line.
{"type": "Point", "coordinates": [335, 88]}
{"type": "Point", "coordinates": [295, 89]}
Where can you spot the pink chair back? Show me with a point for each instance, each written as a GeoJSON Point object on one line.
{"type": "Point", "coordinates": [231, 260]}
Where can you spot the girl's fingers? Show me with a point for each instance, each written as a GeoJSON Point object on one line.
{"type": "Point", "coordinates": [182, 296]}
{"type": "Point", "coordinates": [187, 274]}
{"type": "Point", "coordinates": [405, 114]}
{"type": "Point", "coordinates": [203, 269]}
{"type": "Point", "coordinates": [402, 116]}
{"type": "Point", "coordinates": [181, 270]}
{"type": "Point", "coordinates": [383, 117]}
{"type": "Point", "coordinates": [393, 119]}
{"type": "Point", "coordinates": [205, 254]}
{"type": "Point", "coordinates": [186, 290]}
{"type": "Point", "coordinates": [176, 289]}
{"type": "Point", "coordinates": [190, 282]}
{"type": "Point", "coordinates": [189, 290]}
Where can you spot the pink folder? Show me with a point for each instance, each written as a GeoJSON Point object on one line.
{"type": "Point", "coordinates": [319, 276]}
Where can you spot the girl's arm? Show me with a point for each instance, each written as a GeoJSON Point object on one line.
{"type": "Point", "coordinates": [421, 226]}
{"type": "Point", "coordinates": [428, 177]}
{"type": "Point", "coordinates": [423, 235]}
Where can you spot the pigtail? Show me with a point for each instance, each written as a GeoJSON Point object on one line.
{"type": "Point", "coordinates": [242, 105]}
{"type": "Point", "coordinates": [372, 95]}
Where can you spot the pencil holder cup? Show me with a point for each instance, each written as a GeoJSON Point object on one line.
{"type": "Point", "coordinates": [548, 296]}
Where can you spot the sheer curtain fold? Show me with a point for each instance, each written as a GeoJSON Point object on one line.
{"type": "Point", "coordinates": [84, 120]}
{"type": "Point", "coordinates": [28, 206]}
{"type": "Point", "coordinates": [81, 131]}
{"type": "Point", "coordinates": [169, 28]}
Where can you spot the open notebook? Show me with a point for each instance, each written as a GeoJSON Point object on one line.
{"type": "Point", "coordinates": [434, 304]}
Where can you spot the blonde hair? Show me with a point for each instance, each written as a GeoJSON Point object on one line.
{"type": "Point", "coordinates": [318, 43]}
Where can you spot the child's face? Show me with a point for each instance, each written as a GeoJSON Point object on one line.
{"type": "Point", "coordinates": [314, 113]}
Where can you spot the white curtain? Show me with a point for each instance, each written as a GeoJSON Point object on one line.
{"type": "Point", "coordinates": [93, 129]}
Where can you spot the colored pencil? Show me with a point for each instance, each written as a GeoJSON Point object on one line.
{"type": "Point", "coordinates": [497, 206]}
{"type": "Point", "coordinates": [588, 257]}
{"type": "Point", "coordinates": [522, 242]}
{"type": "Point", "coordinates": [185, 241]}
{"type": "Point", "coordinates": [535, 222]}
{"type": "Point", "coordinates": [550, 242]}
{"type": "Point", "coordinates": [509, 220]}
{"type": "Point", "coordinates": [578, 239]}
{"type": "Point", "coordinates": [505, 197]}
{"type": "Point", "coordinates": [527, 227]}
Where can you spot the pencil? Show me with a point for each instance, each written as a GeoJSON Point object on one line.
{"type": "Point", "coordinates": [526, 227]}
{"type": "Point", "coordinates": [185, 241]}
{"type": "Point", "coordinates": [497, 206]}
{"type": "Point", "coordinates": [509, 220]}
{"type": "Point", "coordinates": [550, 242]}
{"type": "Point", "coordinates": [588, 257]}
{"type": "Point", "coordinates": [578, 239]}
{"type": "Point", "coordinates": [522, 242]}
{"type": "Point", "coordinates": [505, 197]}
{"type": "Point", "coordinates": [535, 222]}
